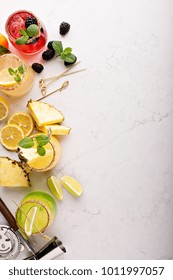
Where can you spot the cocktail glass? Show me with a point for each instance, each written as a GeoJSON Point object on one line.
{"type": "Point", "coordinates": [15, 23]}
{"type": "Point", "coordinates": [8, 82]}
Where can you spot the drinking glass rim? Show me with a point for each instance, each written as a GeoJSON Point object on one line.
{"type": "Point", "coordinates": [11, 38]}
{"type": "Point", "coordinates": [23, 65]}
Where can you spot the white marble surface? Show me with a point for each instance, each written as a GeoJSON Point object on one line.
{"type": "Point", "coordinates": [120, 111]}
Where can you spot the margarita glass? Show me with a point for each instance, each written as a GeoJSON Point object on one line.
{"type": "Point", "coordinates": [17, 83]}
{"type": "Point", "coordinates": [16, 22]}
{"type": "Point", "coordinates": [44, 215]}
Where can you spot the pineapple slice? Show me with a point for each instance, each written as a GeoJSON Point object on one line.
{"type": "Point", "coordinates": [43, 113]}
{"type": "Point", "coordinates": [56, 129]}
{"type": "Point", "coordinates": [12, 174]}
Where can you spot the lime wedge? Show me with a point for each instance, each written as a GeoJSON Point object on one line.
{"type": "Point", "coordinates": [40, 221]}
{"type": "Point", "coordinates": [29, 222]}
{"type": "Point", "coordinates": [55, 187]}
{"type": "Point", "coordinates": [71, 185]}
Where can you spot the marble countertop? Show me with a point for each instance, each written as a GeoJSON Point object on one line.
{"type": "Point", "coordinates": [120, 111]}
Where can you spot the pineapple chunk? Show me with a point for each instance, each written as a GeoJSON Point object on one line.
{"type": "Point", "coordinates": [56, 129]}
{"type": "Point", "coordinates": [43, 113]}
{"type": "Point", "coordinates": [12, 174]}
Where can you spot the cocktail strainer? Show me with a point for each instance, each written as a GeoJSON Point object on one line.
{"type": "Point", "coordinates": [10, 245]}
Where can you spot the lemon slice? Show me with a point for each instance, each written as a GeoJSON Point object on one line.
{"type": "Point", "coordinates": [4, 108]}
{"type": "Point", "coordinates": [30, 219]}
{"type": "Point", "coordinates": [24, 121]}
{"type": "Point", "coordinates": [10, 136]}
{"type": "Point", "coordinates": [55, 187]}
{"type": "Point", "coordinates": [6, 80]}
{"type": "Point", "coordinates": [71, 185]}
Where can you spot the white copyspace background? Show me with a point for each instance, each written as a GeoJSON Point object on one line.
{"type": "Point", "coordinates": [120, 111]}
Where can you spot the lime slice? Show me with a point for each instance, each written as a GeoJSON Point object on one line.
{"type": "Point", "coordinates": [71, 185]}
{"type": "Point", "coordinates": [30, 220]}
{"type": "Point", "coordinates": [55, 187]}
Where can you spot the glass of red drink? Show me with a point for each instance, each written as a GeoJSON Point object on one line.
{"type": "Point", "coordinates": [20, 20]}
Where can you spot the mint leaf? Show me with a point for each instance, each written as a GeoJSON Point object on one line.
{"type": "Point", "coordinates": [26, 143]}
{"type": "Point", "coordinates": [42, 140]}
{"type": "Point", "coordinates": [32, 30]}
{"type": "Point", "coordinates": [20, 69]}
{"type": "Point", "coordinates": [22, 40]}
{"type": "Point", "coordinates": [3, 50]}
{"type": "Point", "coordinates": [67, 50]}
{"type": "Point", "coordinates": [41, 151]}
{"type": "Point", "coordinates": [17, 78]}
{"type": "Point", "coordinates": [68, 57]}
{"type": "Point", "coordinates": [57, 46]}
{"type": "Point", "coordinates": [11, 71]}
{"type": "Point", "coordinates": [23, 32]}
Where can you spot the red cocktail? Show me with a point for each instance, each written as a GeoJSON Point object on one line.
{"type": "Point", "coordinates": [25, 32]}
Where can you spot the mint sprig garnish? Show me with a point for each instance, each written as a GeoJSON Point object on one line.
{"type": "Point", "coordinates": [57, 46]}
{"type": "Point", "coordinates": [30, 32]}
{"type": "Point", "coordinates": [26, 143]}
{"type": "Point", "coordinates": [16, 73]}
{"type": "Point", "coordinates": [41, 141]}
{"type": "Point", "coordinates": [65, 54]}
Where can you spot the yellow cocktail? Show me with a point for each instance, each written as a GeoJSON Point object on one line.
{"type": "Point", "coordinates": [16, 75]}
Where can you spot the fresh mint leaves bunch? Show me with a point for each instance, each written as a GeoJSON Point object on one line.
{"type": "Point", "coordinates": [56, 47]}
{"type": "Point", "coordinates": [16, 73]}
{"type": "Point", "coordinates": [27, 34]}
{"type": "Point", "coordinates": [41, 141]}
{"type": "Point", "coordinates": [65, 54]}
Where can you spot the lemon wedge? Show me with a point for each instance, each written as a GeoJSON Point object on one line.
{"type": "Point", "coordinates": [6, 80]}
{"type": "Point", "coordinates": [71, 185]}
{"type": "Point", "coordinates": [55, 187]}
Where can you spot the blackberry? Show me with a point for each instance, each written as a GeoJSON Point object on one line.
{"type": "Point", "coordinates": [47, 55]}
{"type": "Point", "coordinates": [37, 67]}
{"type": "Point", "coordinates": [29, 21]}
{"type": "Point", "coordinates": [49, 45]}
{"type": "Point", "coordinates": [70, 63]}
{"type": "Point", "coordinates": [64, 28]}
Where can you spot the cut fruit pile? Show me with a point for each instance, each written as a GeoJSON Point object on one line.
{"type": "Point", "coordinates": [4, 108]}
{"type": "Point", "coordinates": [19, 125]}
{"type": "Point", "coordinates": [12, 174]}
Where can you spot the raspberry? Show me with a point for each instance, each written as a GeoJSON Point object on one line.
{"type": "Point", "coordinates": [37, 67]}
{"type": "Point", "coordinates": [64, 28]}
{"type": "Point", "coordinates": [47, 55]}
{"type": "Point", "coordinates": [29, 21]}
